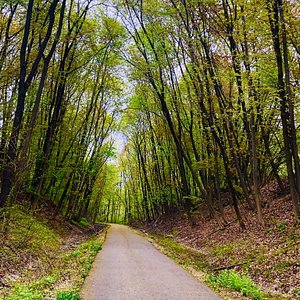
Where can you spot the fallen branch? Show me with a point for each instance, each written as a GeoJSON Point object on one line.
{"type": "Point", "coordinates": [231, 266]}
{"type": "Point", "coordinates": [2, 284]}
{"type": "Point", "coordinates": [221, 228]}
{"type": "Point", "coordinates": [154, 224]}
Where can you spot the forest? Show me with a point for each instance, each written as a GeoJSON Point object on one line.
{"type": "Point", "coordinates": [135, 111]}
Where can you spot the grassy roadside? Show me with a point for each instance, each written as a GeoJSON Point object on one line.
{"type": "Point", "coordinates": [269, 255]}
{"type": "Point", "coordinates": [229, 284]}
{"type": "Point", "coordinates": [54, 265]}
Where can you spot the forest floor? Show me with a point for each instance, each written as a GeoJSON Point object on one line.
{"type": "Point", "coordinates": [270, 256]}
{"type": "Point", "coordinates": [45, 257]}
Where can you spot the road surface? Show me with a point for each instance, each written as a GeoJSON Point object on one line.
{"type": "Point", "coordinates": [130, 268]}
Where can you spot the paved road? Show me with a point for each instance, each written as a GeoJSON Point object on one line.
{"type": "Point", "coordinates": [130, 268]}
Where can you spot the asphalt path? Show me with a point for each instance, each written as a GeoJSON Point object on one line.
{"type": "Point", "coordinates": [130, 268]}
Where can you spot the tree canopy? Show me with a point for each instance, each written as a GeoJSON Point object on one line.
{"type": "Point", "coordinates": [203, 97]}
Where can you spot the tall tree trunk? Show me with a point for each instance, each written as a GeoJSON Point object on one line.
{"type": "Point", "coordinates": [24, 83]}
{"type": "Point", "coordinates": [273, 7]}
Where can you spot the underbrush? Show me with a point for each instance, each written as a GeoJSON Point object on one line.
{"type": "Point", "coordinates": [25, 241]}
{"type": "Point", "coordinates": [241, 283]}
{"type": "Point", "coordinates": [40, 267]}
{"type": "Point", "coordinates": [228, 283]}
{"type": "Point", "coordinates": [268, 255]}
{"type": "Point", "coordinates": [68, 296]}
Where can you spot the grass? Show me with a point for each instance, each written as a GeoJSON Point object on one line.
{"type": "Point", "coordinates": [229, 284]}
{"type": "Point", "coordinates": [68, 296]}
{"type": "Point", "coordinates": [240, 283]}
{"type": "Point", "coordinates": [74, 265]}
{"type": "Point", "coordinates": [54, 274]}
{"type": "Point", "coordinates": [183, 255]}
{"type": "Point", "coordinates": [226, 249]}
{"type": "Point", "coordinates": [26, 234]}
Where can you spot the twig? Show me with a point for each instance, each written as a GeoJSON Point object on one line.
{"type": "Point", "coordinates": [231, 266]}
{"type": "Point", "coordinates": [4, 284]}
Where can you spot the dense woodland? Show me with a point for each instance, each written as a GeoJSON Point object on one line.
{"type": "Point", "coordinates": [59, 103]}
{"type": "Point", "coordinates": [215, 105]}
{"type": "Point", "coordinates": [204, 93]}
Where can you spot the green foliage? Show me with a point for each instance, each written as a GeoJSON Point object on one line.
{"type": "Point", "coordinates": [204, 78]}
{"type": "Point", "coordinates": [296, 293]}
{"type": "Point", "coordinates": [34, 290]}
{"type": "Point", "coordinates": [241, 283]}
{"type": "Point", "coordinates": [68, 296]}
{"type": "Point", "coordinates": [74, 265]}
{"type": "Point", "coordinates": [83, 257]}
{"type": "Point", "coordinates": [29, 234]}
{"type": "Point", "coordinates": [188, 257]}
{"type": "Point", "coordinates": [109, 188]}
{"type": "Point", "coordinates": [223, 250]}
{"type": "Point", "coordinates": [25, 293]}
{"type": "Point", "coordinates": [3, 3]}
{"type": "Point", "coordinates": [83, 222]}
{"type": "Point", "coordinates": [281, 227]}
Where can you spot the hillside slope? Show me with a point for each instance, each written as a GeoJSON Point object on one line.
{"type": "Point", "coordinates": [270, 255]}
{"type": "Point", "coordinates": [44, 257]}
